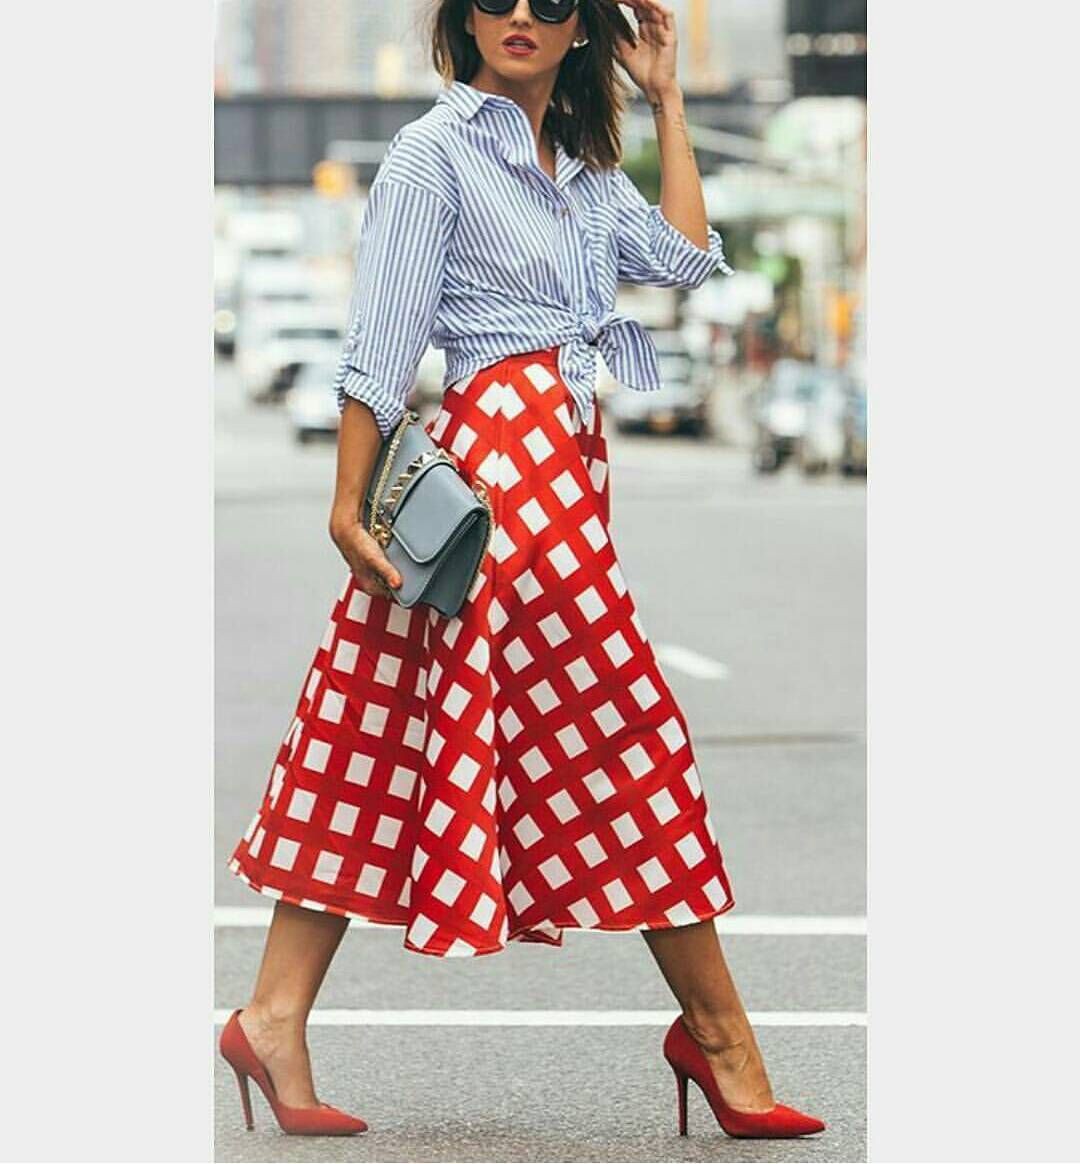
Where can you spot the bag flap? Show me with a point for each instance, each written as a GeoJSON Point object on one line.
{"type": "Point", "coordinates": [427, 519]}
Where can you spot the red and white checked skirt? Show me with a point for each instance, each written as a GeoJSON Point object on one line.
{"type": "Point", "coordinates": [517, 769]}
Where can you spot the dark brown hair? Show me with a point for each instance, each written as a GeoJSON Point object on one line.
{"type": "Point", "coordinates": [589, 97]}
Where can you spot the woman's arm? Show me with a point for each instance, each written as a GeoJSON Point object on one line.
{"type": "Point", "coordinates": [651, 64]}
{"type": "Point", "coordinates": [397, 286]}
{"type": "Point", "coordinates": [359, 440]}
{"type": "Point", "coordinates": [681, 197]}
{"type": "Point", "coordinates": [669, 244]}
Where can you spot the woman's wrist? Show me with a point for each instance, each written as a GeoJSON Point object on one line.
{"type": "Point", "coordinates": [665, 98]}
{"type": "Point", "coordinates": [344, 515]}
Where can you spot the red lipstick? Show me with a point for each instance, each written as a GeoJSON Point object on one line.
{"type": "Point", "coordinates": [519, 44]}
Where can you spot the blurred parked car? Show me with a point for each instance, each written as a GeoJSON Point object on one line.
{"type": "Point", "coordinates": [226, 292]}
{"type": "Point", "coordinates": [680, 404]}
{"type": "Point", "coordinates": [265, 282]}
{"type": "Point", "coordinates": [820, 448]}
{"type": "Point", "coordinates": [224, 327]}
{"type": "Point", "coordinates": [258, 232]}
{"type": "Point", "coordinates": [312, 403]}
{"type": "Point", "coordinates": [780, 412]}
{"type": "Point", "coordinates": [272, 354]}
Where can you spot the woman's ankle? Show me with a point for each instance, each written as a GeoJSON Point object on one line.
{"type": "Point", "coordinates": [718, 1031]}
{"type": "Point", "coordinates": [278, 1018]}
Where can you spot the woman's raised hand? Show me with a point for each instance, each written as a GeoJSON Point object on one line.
{"type": "Point", "coordinates": [650, 62]}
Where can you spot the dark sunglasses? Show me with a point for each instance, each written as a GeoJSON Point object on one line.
{"type": "Point", "coordinates": [549, 11]}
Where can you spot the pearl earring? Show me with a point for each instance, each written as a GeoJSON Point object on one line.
{"type": "Point", "coordinates": [580, 43]}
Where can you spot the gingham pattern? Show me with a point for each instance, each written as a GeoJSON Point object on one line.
{"type": "Point", "coordinates": [517, 769]}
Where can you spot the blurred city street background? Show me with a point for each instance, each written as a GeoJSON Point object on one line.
{"type": "Point", "coordinates": [738, 501]}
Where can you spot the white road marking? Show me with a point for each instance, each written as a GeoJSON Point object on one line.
{"type": "Point", "coordinates": [794, 926]}
{"type": "Point", "coordinates": [559, 1018]}
{"type": "Point", "coordinates": [689, 662]}
{"type": "Point", "coordinates": [255, 917]}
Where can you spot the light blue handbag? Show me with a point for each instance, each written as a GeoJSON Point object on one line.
{"type": "Point", "coordinates": [433, 526]}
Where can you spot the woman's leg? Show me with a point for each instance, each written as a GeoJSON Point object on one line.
{"type": "Point", "coordinates": [691, 960]}
{"type": "Point", "coordinates": [299, 947]}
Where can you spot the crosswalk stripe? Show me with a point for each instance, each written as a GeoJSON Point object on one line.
{"type": "Point", "coordinates": [690, 662]}
{"type": "Point", "coordinates": [782, 925]}
{"type": "Point", "coordinates": [559, 1018]}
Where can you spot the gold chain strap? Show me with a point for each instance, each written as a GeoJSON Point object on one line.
{"type": "Point", "coordinates": [378, 529]}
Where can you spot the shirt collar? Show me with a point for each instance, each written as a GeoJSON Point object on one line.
{"type": "Point", "coordinates": [466, 101]}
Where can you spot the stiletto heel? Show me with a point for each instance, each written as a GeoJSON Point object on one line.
{"type": "Point", "coordinates": [245, 1099]}
{"type": "Point", "coordinates": [688, 1061]}
{"type": "Point", "coordinates": [323, 1120]}
{"type": "Point", "coordinates": [681, 1082]}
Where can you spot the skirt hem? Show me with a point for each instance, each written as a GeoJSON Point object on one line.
{"type": "Point", "coordinates": [516, 935]}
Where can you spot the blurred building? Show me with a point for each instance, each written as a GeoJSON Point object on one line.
{"type": "Point", "coordinates": [826, 44]}
{"type": "Point", "coordinates": [369, 46]}
{"type": "Point", "coordinates": [724, 44]}
{"type": "Point", "coordinates": [319, 47]}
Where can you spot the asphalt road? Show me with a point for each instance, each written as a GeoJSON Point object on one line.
{"type": "Point", "coordinates": [754, 590]}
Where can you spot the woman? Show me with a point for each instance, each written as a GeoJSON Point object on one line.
{"type": "Point", "coordinates": [523, 766]}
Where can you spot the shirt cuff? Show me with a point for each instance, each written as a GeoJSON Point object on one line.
{"type": "Point", "coordinates": [359, 385]}
{"type": "Point", "coordinates": [683, 259]}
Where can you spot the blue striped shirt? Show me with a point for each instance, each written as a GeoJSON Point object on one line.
{"type": "Point", "coordinates": [466, 243]}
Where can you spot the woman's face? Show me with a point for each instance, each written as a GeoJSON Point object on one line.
{"type": "Point", "coordinates": [514, 61]}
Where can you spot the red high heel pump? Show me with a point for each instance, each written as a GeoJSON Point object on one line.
{"type": "Point", "coordinates": [323, 1120]}
{"type": "Point", "coordinates": [688, 1062]}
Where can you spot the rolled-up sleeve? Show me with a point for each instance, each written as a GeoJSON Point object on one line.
{"type": "Point", "coordinates": [654, 252]}
{"type": "Point", "coordinates": [397, 286]}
